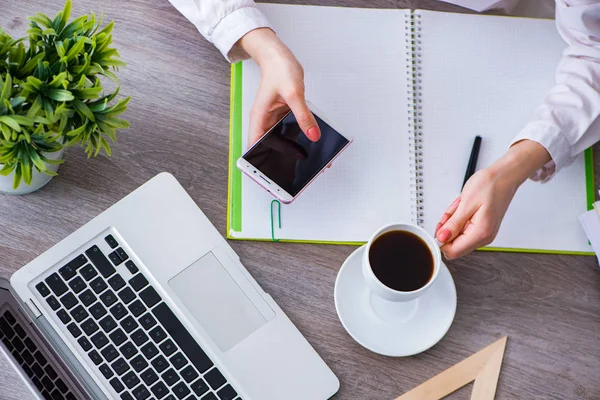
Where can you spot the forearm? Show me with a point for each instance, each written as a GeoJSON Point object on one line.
{"type": "Point", "coordinates": [520, 161]}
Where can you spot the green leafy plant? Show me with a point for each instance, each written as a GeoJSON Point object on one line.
{"type": "Point", "coordinates": [51, 95]}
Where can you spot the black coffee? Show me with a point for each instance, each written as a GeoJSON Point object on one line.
{"type": "Point", "coordinates": [401, 260]}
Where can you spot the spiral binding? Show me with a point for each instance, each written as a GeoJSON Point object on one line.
{"type": "Point", "coordinates": [415, 114]}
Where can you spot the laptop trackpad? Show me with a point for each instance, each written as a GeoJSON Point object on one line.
{"type": "Point", "coordinates": [217, 302]}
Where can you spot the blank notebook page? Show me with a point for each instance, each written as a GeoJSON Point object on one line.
{"type": "Point", "coordinates": [485, 75]}
{"type": "Point", "coordinates": [355, 72]}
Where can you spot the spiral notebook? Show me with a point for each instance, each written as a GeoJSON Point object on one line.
{"type": "Point", "coordinates": [413, 88]}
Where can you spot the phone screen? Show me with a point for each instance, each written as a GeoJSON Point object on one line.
{"type": "Point", "coordinates": [291, 160]}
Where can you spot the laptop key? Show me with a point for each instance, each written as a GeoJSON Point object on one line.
{"type": "Point", "coordinates": [56, 284]}
{"type": "Point", "coordinates": [19, 331]}
{"type": "Point", "coordinates": [168, 347]}
{"type": "Point", "coordinates": [140, 393]}
{"type": "Point", "coordinates": [122, 254]}
{"type": "Point", "coordinates": [53, 303]}
{"type": "Point", "coordinates": [30, 345]}
{"type": "Point", "coordinates": [127, 295]}
{"type": "Point", "coordinates": [157, 334]}
{"type": "Point", "coordinates": [79, 313]}
{"type": "Point", "coordinates": [69, 300]}
{"type": "Point", "coordinates": [47, 382]}
{"type": "Point", "coordinates": [128, 350]}
{"type": "Point", "coordinates": [182, 337]}
{"type": "Point", "coordinates": [160, 364]}
{"type": "Point", "coordinates": [119, 311]}
{"type": "Point", "coordinates": [100, 340]}
{"type": "Point", "coordinates": [149, 376]}
{"type": "Point", "coordinates": [117, 385]}
{"type": "Point", "coordinates": [88, 272]}
{"type": "Point", "coordinates": [97, 258]}
{"type": "Point", "coordinates": [150, 296]}
{"type": "Point", "coordinates": [159, 390]}
{"type": "Point", "coordinates": [17, 356]}
{"type": "Point", "coordinates": [89, 326]}
{"type": "Point", "coordinates": [69, 270]}
{"type": "Point", "coordinates": [50, 372]}
{"type": "Point", "coordinates": [42, 289]}
{"type": "Point", "coordinates": [9, 317]}
{"type": "Point", "coordinates": [87, 298]}
{"type": "Point", "coordinates": [37, 370]}
{"type": "Point", "coordinates": [97, 310]}
{"type": "Point", "coordinates": [63, 316]}
{"type": "Point", "coordinates": [28, 371]}
{"type": "Point", "coordinates": [109, 353]}
{"type": "Point", "coordinates": [116, 282]}
{"type": "Point", "coordinates": [114, 257]}
{"type": "Point", "coordinates": [62, 387]}
{"type": "Point", "coordinates": [18, 344]}
{"type": "Point", "coordinates": [130, 379]}
{"type": "Point", "coordinates": [199, 387]}
{"type": "Point", "coordinates": [107, 323]}
{"type": "Point", "coordinates": [210, 396]}
{"type": "Point", "coordinates": [126, 396]}
{"type": "Point", "coordinates": [139, 337]}
{"type": "Point", "coordinates": [181, 390]}
{"type": "Point", "coordinates": [37, 383]}
{"type": "Point", "coordinates": [6, 328]}
{"type": "Point", "coordinates": [95, 357]}
{"type": "Point", "coordinates": [137, 308]}
{"type": "Point", "coordinates": [178, 361]}
{"type": "Point", "coordinates": [189, 374]}
{"type": "Point", "coordinates": [98, 285]}
{"type": "Point", "coordinates": [129, 324]}
{"type": "Point", "coordinates": [118, 337]}
{"type": "Point", "coordinates": [120, 366]}
{"type": "Point", "coordinates": [170, 377]}
{"type": "Point", "coordinates": [39, 357]}
{"type": "Point", "coordinates": [84, 343]}
{"type": "Point", "coordinates": [112, 242]}
{"type": "Point", "coordinates": [149, 350]}
{"type": "Point", "coordinates": [131, 267]}
{"type": "Point", "coordinates": [138, 363]}
{"type": "Point", "coordinates": [214, 378]}
{"type": "Point", "coordinates": [108, 298]}
{"type": "Point", "coordinates": [28, 357]}
{"type": "Point", "coordinates": [227, 393]}
{"type": "Point", "coordinates": [138, 282]}
{"type": "Point", "coordinates": [106, 371]}
{"type": "Point", "coordinates": [77, 284]}
{"type": "Point", "coordinates": [74, 329]}
{"type": "Point", "coordinates": [147, 321]}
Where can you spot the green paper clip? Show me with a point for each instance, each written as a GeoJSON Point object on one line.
{"type": "Point", "coordinates": [278, 218]}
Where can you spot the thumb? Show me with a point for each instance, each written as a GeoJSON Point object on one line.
{"type": "Point", "coordinates": [455, 224]}
{"type": "Point", "coordinates": [306, 119]}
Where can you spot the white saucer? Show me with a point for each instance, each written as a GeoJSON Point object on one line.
{"type": "Point", "coordinates": [422, 324]}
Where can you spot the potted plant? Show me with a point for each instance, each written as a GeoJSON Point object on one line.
{"type": "Point", "coordinates": [51, 97]}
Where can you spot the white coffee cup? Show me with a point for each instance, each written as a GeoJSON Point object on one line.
{"type": "Point", "coordinates": [389, 303]}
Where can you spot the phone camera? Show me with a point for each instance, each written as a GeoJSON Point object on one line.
{"type": "Point", "coordinates": [254, 171]}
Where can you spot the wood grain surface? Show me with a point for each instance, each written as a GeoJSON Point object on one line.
{"type": "Point", "coordinates": [547, 305]}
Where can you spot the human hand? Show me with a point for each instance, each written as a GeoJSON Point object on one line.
{"type": "Point", "coordinates": [474, 218]}
{"type": "Point", "coordinates": [281, 86]}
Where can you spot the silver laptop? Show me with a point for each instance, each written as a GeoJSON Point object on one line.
{"type": "Point", "coordinates": [148, 301]}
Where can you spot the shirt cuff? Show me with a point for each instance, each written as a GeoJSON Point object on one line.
{"type": "Point", "coordinates": [233, 27]}
{"type": "Point", "coordinates": [554, 141]}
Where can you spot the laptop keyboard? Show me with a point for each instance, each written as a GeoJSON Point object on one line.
{"type": "Point", "coordinates": [129, 333]}
{"type": "Point", "coordinates": [31, 359]}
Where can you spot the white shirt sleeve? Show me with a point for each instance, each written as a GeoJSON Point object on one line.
{"type": "Point", "coordinates": [561, 123]}
{"type": "Point", "coordinates": [223, 22]}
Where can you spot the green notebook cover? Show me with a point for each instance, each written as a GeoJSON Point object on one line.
{"type": "Point", "coordinates": [234, 194]}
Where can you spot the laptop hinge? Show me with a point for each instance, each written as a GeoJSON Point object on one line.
{"type": "Point", "coordinates": [32, 309]}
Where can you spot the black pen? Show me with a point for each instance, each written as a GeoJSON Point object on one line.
{"type": "Point", "coordinates": [472, 160]}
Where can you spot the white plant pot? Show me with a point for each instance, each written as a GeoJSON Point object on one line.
{"type": "Point", "coordinates": [38, 181]}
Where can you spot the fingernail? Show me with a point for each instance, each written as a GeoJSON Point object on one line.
{"type": "Point", "coordinates": [444, 235]}
{"type": "Point", "coordinates": [455, 202]}
{"type": "Point", "coordinates": [444, 219]}
{"type": "Point", "coordinates": [313, 134]}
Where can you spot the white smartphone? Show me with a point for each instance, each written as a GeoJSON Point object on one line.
{"type": "Point", "coordinates": [285, 162]}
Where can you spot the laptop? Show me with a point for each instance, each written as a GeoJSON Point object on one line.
{"type": "Point", "coordinates": [148, 301]}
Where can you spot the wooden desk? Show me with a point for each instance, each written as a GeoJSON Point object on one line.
{"type": "Point", "coordinates": [549, 306]}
